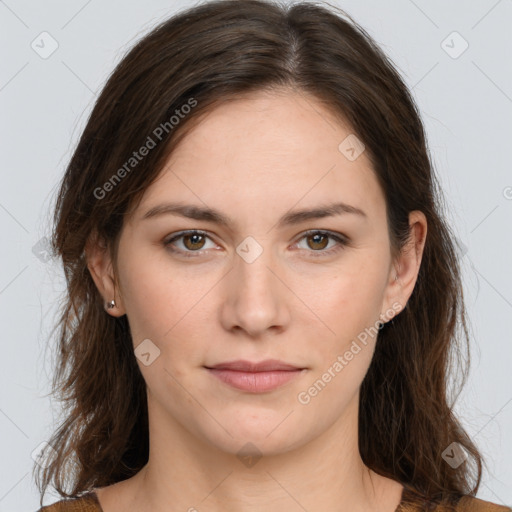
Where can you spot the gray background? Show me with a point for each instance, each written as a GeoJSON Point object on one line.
{"type": "Point", "coordinates": [466, 103]}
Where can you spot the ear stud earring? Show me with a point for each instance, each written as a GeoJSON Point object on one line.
{"type": "Point", "coordinates": [111, 304]}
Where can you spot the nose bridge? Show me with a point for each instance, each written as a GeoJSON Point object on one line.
{"type": "Point", "coordinates": [255, 276]}
{"type": "Point", "coordinates": [255, 301]}
{"type": "Point", "coordinates": [252, 270]}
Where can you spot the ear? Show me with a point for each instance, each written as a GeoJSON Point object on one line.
{"type": "Point", "coordinates": [100, 267]}
{"type": "Point", "coordinates": [405, 268]}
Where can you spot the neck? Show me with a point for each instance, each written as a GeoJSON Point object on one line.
{"type": "Point", "coordinates": [326, 473]}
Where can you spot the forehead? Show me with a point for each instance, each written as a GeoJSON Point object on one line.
{"type": "Point", "coordinates": [268, 127]}
{"type": "Point", "coordinates": [282, 148]}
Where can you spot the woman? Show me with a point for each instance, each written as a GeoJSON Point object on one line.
{"type": "Point", "coordinates": [264, 300]}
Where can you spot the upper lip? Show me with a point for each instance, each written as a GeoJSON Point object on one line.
{"type": "Point", "coordinates": [247, 366]}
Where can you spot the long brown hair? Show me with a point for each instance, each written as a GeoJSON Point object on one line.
{"type": "Point", "coordinates": [185, 67]}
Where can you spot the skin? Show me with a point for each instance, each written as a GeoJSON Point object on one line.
{"type": "Point", "coordinates": [255, 159]}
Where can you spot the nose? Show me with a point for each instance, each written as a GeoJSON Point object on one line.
{"type": "Point", "coordinates": [256, 298]}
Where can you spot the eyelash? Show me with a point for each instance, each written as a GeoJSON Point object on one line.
{"type": "Point", "coordinates": [342, 242]}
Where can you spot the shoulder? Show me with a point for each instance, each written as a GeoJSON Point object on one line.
{"type": "Point", "coordinates": [472, 504]}
{"type": "Point", "coordinates": [414, 501]}
{"type": "Point", "coordinates": [86, 503]}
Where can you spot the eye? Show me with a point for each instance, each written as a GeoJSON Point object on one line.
{"type": "Point", "coordinates": [191, 242]}
{"type": "Point", "coordinates": [317, 241]}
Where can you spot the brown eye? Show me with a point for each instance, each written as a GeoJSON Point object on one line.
{"type": "Point", "coordinates": [194, 241]}
{"type": "Point", "coordinates": [319, 241]}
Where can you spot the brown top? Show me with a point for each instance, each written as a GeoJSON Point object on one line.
{"type": "Point", "coordinates": [410, 502]}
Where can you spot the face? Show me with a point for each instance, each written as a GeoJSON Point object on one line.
{"type": "Point", "coordinates": [305, 290]}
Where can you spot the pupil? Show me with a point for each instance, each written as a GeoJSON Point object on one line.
{"type": "Point", "coordinates": [316, 240]}
{"type": "Point", "coordinates": [195, 240]}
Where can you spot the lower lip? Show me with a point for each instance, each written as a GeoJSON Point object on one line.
{"type": "Point", "coordinates": [255, 382]}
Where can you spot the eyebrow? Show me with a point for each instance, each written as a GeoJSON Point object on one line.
{"type": "Point", "coordinates": [290, 218]}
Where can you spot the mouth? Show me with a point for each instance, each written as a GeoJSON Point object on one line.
{"type": "Point", "coordinates": [255, 377]}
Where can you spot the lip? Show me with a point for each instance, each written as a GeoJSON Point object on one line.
{"type": "Point", "coordinates": [241, 365]}
{"type": "Point", "coordinates": [255, 377]}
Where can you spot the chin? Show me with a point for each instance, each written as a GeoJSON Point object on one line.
{"type": "Point", "coordinates": [259, 437]}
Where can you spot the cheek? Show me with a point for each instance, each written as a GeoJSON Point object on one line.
{"type": "Point", "coordinates": [343, 358]}
{"type": "Point", "coordinates": [334, 387]}
{"type": "Point", "coordinates": [147, 297]}
{"type": "Point", "coordinates": [350, 306]}
{"type": "Point", "coordinates": [154, 294]}
{"type": "Point", "coordinates": [350, 298]}
{"type": "Point", "coordinates": [147, 306]}
{"type": "Point", "coordinates": [167, 307]}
